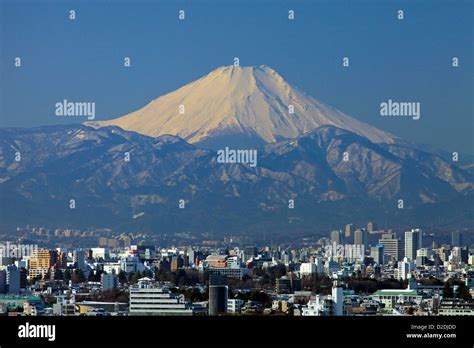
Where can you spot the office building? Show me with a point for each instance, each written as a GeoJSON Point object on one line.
{"type": "Point", "coordinates": [377, 253]}
{"type": "Point", "coordinates": [287, 284]}
{"type": "Point", "coordinates": [372, 227]}
{"type": "Point", "coordinates": [108, 281]}
{"type": "Point", "coordinates": [131, 263]}
{"type": "Point", "coordinates": [147, 299]}
{"type": "Point", "coordinates": [13, 276]}
{"type": "Point", "coordinates": [177, 262]}
{"type": "Point", "coordinates": [308, 269]}
{"type": "Point", "coordinates": [360, 237]}
{"type": "Point", "coordinates": [413, 242]}
{"type": "Point", "coordinates": [337, 237]}
{"type": "Point", "coordinates": [393, 247]}
{"type": "Point", "coordinates": [41, 262]}
{"type": "Point", "coordinates": [100, 253]}
{"type": "Point", "coordinates": [349, 231]}
{"type": "Point", "coordinates": [457, 239]}
{"type": "Point", "coordinates": [78, 257]}
{"type": "Point", "coordinates": [404, 268]}
{"type": "Point", "coordinates": [225, 265]}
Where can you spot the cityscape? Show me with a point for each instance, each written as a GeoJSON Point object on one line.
{"type": "Point", "coordinates": [354, 271]}
{"type": "Point", "coordinates": [173, 171]}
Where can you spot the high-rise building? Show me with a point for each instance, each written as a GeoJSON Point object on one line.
{"type": "Point", "coordinates": [61, 260]}
{"type": "Point", "coordinates": [337, 237]}
{"type": "Point", "coordinates": [41, 262]}
{"type": "Point", "coordinates": [108, 281]}
{"type": "Point", "coordinates": [177, 262]}
{"type": "Point", "coordinates": [371, 227]}
{"type": "Point", "coordinates": [249, 252]}
{"type": "Point", "coordinates": [420, 236]}
{"type": "Point", "coordinates": [318, 261]}
{"type": "Point", "coordinates": [349, 231]}
{"type": "Point", "coordinates": [376, 253]}
{"type": "Point", "coordinates": [3, 281]}
{"type": "Point", "coordinates": [457, 239]}
{"type": "Point", "coordinates": [337, 299]}
{"type": "Point", "coordinates": [423, 255]}
{"type": "Point", "coordinates": [189, 258]}
{"type": "Point", "coordinates": [392, 246]}
{"type": "Point", "coordinates": [12, 279]}
{"type": "Point", "coordinates": [23, 278]}
{"type": "Point", "coordinates": [413, 242]}
{"type": "Point", "coordinates": [404, 268]}
{"type": "Point", "coordinates": [78, 257]}
{"type": "Point", "coordinates": [360, 237]}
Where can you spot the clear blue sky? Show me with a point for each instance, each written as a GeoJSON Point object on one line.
{"type": "Point", "coordinates": [82, 60]}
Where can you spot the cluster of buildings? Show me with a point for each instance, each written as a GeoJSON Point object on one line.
{"type": "Point", "coordinates": [49, 281]}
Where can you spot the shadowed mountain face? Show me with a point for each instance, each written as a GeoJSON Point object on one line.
{"type": "Point", "coordinates": [332, 175]}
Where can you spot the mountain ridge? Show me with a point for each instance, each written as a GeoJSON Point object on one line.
{"type": "Point", "coordinates": [87, 164]}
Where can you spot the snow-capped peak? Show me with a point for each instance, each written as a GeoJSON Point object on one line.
{"type": "Point", "coordinates": [239, 105]}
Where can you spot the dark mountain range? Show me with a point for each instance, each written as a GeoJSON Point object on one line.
{"type": "Point", "coordinates": [333, 175]}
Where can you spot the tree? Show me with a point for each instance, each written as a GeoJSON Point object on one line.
{"type": "Point", "coordinates": [122, 277]}
{"type": "Point", "coordinates": [80, 275]}
{"type": "Point", "coordinates": [194, 295]}
{"type": "Point", "coordinates": [74, 277]}
{"type": "Point", "coordinates": [77, 276]}
{"type": "Point", "coordinates": [35, 279]}
{"type": "Point", "coordinates": [91, 276]}
{"type": "Point", "coordinates": [148, 273]}
{"type": "Point", "coordinates": [448, 291]}
{"type": "Point", "coordinates": [462, 292]}
{"type": "Point", "coordinates": [58, 274]}
{"type": "Point", "coordinates": [136, 276]}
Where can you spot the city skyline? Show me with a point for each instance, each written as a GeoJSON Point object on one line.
{"type": "Point", "coordinates": [236, 172]}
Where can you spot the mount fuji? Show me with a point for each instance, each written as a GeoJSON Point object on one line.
{"type": "Point", "coordinates": [335, 168]}
{"type": "Point", "coordinates": [239, 106]}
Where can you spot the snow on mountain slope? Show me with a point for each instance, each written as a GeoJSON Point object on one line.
{"type": "Point", "coordinates": [251, 104]}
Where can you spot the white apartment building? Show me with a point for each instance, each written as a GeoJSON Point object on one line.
{"type": "Point", "coordinates": [234, 305]}
{"type": "Point", "coordinates": [146, 299]}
